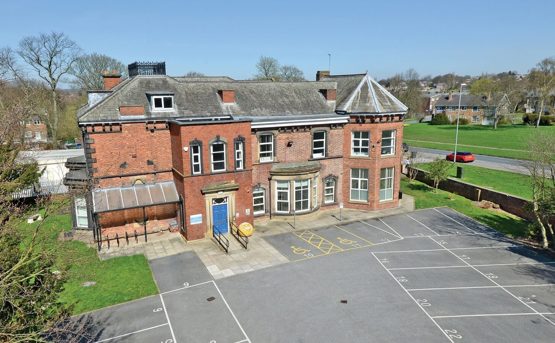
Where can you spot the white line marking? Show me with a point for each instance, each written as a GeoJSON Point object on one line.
{"type": "Point", "coordinates": [389, 226]}
{"type": "Point", "coordinates": [456, 221]}
{"type": "Point", "coordinates": [131, 333]}
{"type": "Point", "coordinates": [168, 318]}
{"type": "Point", "coordinates": [424, 225]}
{"type": "Point", "coordinates": [243, 341]}
{"type": "Point", "coordinates": [377, 228]}
{"type": "Point", "coordinates": [413, 299]}
{"type": "Point", "coordinates": [428, 250]}
{"type": "Point", "coordinates": [494, 282]}
{"type": "Point", "coordinates": [185, 287]}
{"type": "Point", "coordinates": [354, 235]}
{"type": "Point", "coordinates": [247, 339]}
{"type": "Point", "coordinates": [477, 287]}
{"type": "Point", "coordinates": [475, 265]}
{"type": "Point", "coordinates": [496, 315]}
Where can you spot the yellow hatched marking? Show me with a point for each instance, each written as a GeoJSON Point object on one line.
{"type": "Point", "coordinates": [318, 242]}
{"type": "Point", "coordinates": [299, 251]}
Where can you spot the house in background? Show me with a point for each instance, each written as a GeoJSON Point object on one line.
{"type": "Point", "coordinates": [35, 131]}
{"type": "Point", "coordinates": [476, 109]}
{"type": "Point", "coordinates": [201, 154]}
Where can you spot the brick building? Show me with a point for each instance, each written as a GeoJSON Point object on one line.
{"type": "Point", "coordinates": [476, 109]}
{"type": "Point", "coordinates": [201, 153]}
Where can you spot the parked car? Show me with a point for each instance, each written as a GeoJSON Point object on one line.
{"type": "Point", "coordinates": [405, 147]}
{"type": "Point", "coordinates": [463, 156]}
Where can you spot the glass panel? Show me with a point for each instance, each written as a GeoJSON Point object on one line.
{"type": "Point", "coordinates": [168, 102]}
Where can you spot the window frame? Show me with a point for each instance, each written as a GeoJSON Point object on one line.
{"type": "Point", "coordinates": [155, 108]}
{"type": "Point", "coordinates": [212, 161]}
{"type": "Point", "coordinates": [359, 181]}
{"type": "Point", "coordinates": [263, 197]}
{"type": "Point", "coordinates": [271, 158]}
{"type": "Point", "coordinates": [304, 186]}
{"type": "Point", "coordinates": [360, 146]}
{"type": "Point", "coordinates": [80, 202]}
{"type": "Point", "coordinates": [287, 192]}
{"type": "Point", "coordinates": [323, 148]}
{"type": "Point", "coordinates": [333, 180]}
{"type": "Point", "coordinates": [192, 154]}
{"type": "Point", "coordinates": [391, 146]}
{"type": "Point", "coordinates": [387, 179]}
{"type": "Point", "coordinates": [239, 147]}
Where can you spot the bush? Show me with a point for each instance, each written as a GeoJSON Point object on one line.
{"type": "Point", "coordinates": [531, 119]}
{"type": "Point", "coordinates": [462, 121]}
{"type": "Point", "coordinates": [440, 119]}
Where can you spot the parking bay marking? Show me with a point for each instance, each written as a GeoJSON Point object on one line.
{"type": "Point", "coordinates": [318, 242]}
{"type": "Point", "coordinates": [132, 333]}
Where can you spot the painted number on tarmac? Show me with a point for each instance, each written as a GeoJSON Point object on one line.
{"type": "Point", "coordinates": [157, 309]}
{"type": "Point", "coordinates": [443, 242]}
{"type": "Point", "coordinates": [453, 334]}
{"type": "Point", "coordinates": [491, 276]}
{"type": "Point", "coordinates": [423, 302]}
{"type": "Point", "coordinates": [169, 340]}
{"type": "Point", "coordinates": [464, 257]}
{"type": "Point", "coordinates": [384, 260]}
{"type": "Point", "coordinates": [402, 279]}
{"type": "Point", "coordinates": [185, 284]}
{"type": "Point", "coordinates": [527, 300]}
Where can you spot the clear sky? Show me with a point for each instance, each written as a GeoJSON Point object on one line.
{"type": "Point", "coordinates": [227, 37]}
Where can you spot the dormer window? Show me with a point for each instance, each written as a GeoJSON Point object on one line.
{"type": "Point", "coordinates": [161, 103]}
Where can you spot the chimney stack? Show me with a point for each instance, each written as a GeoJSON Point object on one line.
{"type": "Point", "coordinates": [320, 74]}
{"type": "Point", "coordinates": [111, 79]}
{"type": "Point", "coordinates": [227, 96]}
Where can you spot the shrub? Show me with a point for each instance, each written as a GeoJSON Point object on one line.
{"type": "Point", "coordinates": [531, 119]}
{"type": "Point", "coordinates": [440, 119]}
{"type": "Point", "coordinates": [462, 121]}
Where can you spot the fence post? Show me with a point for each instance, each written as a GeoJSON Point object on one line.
{"type": "Point", "coordinates": [126, 238]}
{"type": "Point", "coordinates": [108, 240]}
{"type": "Point", "coordinates": [117, 239]}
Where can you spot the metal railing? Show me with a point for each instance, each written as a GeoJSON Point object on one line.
{"type": "Point", "coordinates": [241, 238]}
{"type": "Point", "coordinates": [221, 239]}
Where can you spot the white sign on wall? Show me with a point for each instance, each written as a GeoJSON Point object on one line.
{"type": "Point", "coordinates": [195, 219]}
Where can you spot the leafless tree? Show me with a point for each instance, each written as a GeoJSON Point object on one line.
{"type": "Point", "coordinates": [51, 56]}
{"type": "Point", "coordinates": [291, 73]}
{"type": "Point", "coordinates": [542, 81]}
{"type": "Point", "coordinates": [194, 74]}
{"type": "Point", "coordinates": [542, 178]}
{"type": "Point", "coordinates": [88, 69]}
{"type": "Point", "coordinates": [268, 68]}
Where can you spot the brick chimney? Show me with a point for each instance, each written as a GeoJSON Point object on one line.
{"type": "Point", "coordinates": [111, 79]}
{"type": "Point", "coordinates": [320, 74]}
{"type": "Point", "coordinates": [329, 94]}
{"type": "Point", "coordinates": [227, 96]}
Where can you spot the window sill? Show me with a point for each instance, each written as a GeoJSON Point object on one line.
{"type": "Point", "coordinates": [358, 201]}
{"type": "Point", "coordinates": [386, 201]}
{"type": "Point", "coordinates": [360, 156]}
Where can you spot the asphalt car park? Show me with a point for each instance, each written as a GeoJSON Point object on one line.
{"type": "Point", "coordinates": [428, 276]}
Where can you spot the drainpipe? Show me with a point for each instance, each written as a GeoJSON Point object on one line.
{"type": "Point", "coordinates": [270, 193]}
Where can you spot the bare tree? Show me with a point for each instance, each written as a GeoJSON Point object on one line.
{"type": "Point", "coordinates": [487, 87]}
{"type": "Point", "coordinates": [406, 87]}
{"type": "Point", "coordinates": [194, 74]}
{"type": "Point", "coordinates": [88, 69]}
{"type": "Point", "coordinates": [51, 56]}
{"type": "Point", "coordinates": [542, 178]}
{"type": "Point", "coordinates": [268, 68]}
{"type": "Point", "coordinates": [291, 73]}
{"type": "Point", "coordinates": [542, 82]}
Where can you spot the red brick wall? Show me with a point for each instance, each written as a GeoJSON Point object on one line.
{"type": "Point", "coordinates": [111, 219]}
{"type": "Point", "coordinates": [301, 151]}
{"type": "Point", "coordinates": [134, 145]}
{"type": "Point", "coordinates": [373, 163]}
{"type": "Point", "coordinates": [190, 186]}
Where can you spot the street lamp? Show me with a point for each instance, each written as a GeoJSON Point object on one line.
{"type": "Point", "coordinates": [457, 130]}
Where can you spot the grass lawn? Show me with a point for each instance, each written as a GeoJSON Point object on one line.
{"type": "Point", "coordinates": [507, 141]}
{"type": "Point", "coordinates": [425, 197]}
{"type": "Point", "coordinates": [507, 182]}
{"type": "Point", "coordinates": [117, 280]}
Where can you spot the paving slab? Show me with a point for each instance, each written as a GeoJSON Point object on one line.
{"type": "Point", "coordinates": [174, 271]}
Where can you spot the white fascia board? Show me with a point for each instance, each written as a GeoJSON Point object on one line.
{"type": "Point", "coordinates": [286, 123]}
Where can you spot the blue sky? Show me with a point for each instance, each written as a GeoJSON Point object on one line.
{"type": "Point", "coordinates": [227, 37]}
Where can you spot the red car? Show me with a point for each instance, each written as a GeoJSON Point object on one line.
{"type": "Point", "coordinates": [462, 156]}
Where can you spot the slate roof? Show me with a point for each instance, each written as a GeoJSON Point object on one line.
{"type": "Point", "coordinates": [359, 93]}
{"type": "Point", "coordinates": [198, 97]}
{"type": "Point", "coordinates": [466, 100]}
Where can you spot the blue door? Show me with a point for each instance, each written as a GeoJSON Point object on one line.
{"type": "Point", "coordinates": [219, 215]}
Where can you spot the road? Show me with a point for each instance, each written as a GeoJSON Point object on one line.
{"type": "Point", "coordinates": [491, 162]}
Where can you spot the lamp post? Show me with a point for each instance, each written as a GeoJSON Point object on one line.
{"type": "Point", "coordinates": [458, 116]}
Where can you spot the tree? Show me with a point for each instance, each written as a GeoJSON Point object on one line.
{"type": "Point", "coordinates": [268, 68]}
{"type": "Point", "coordinates": [542, 81]}
{"type": "Point", "coordinates": [514, 89]}
{"type": "Point", "coordinates": [406, 87]}
{"type": "Point", "coordinates": [52, 57]}
{"type": "Point", "coordinates": [438, 171]}
{"type": "Point", "coordinates": [88, 69]}
{"type": "Point", "coordinates": [542, 178]}
{"type": "Point", "coordinates": [194, 74]}
{"type": "Point", "coordinates": [291, 73]}
{"type": "Point", "coordinates": [487, 87]}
